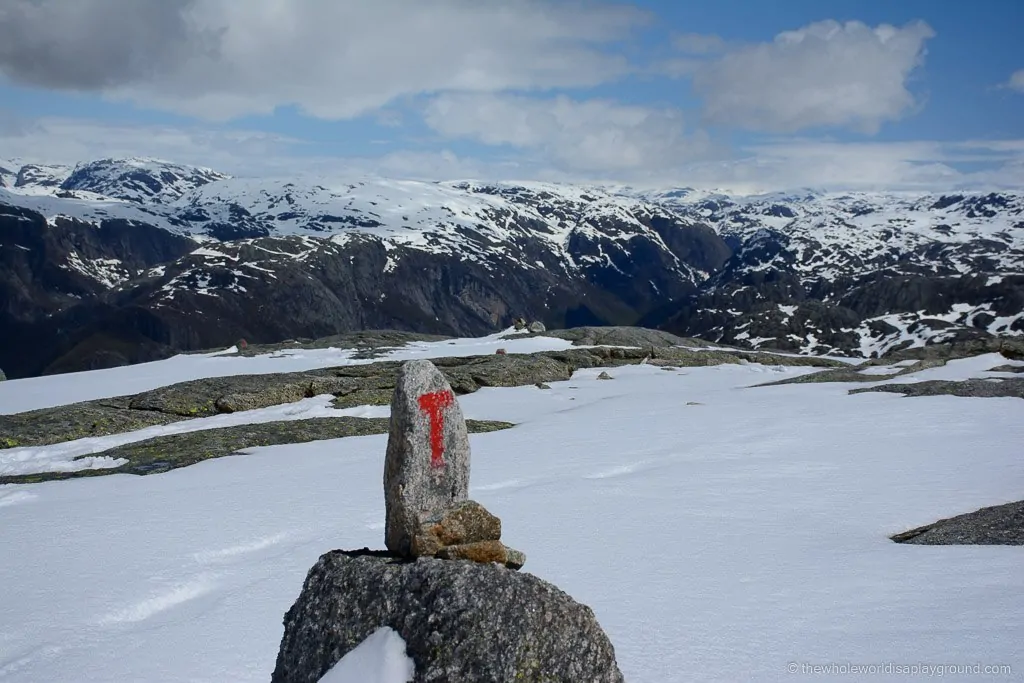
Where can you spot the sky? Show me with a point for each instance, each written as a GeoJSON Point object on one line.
{"type": "Point", "coordinates": [740, 95]}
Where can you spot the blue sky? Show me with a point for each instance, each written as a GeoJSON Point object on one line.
{"type": "Point", "coordinates": [737, 94]}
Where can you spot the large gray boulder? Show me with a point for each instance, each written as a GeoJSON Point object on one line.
{"type": "Point", "coordinates": [426, 468]}
{"type": "Point", "coordinates": [461, 621]}
{"type": "Point", "coordinates": [2, 375]}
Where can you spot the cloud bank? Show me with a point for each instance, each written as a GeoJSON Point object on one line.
{"type": "Point", "coordinates": [507, 80]}
{"type": "Point", "coordinates": [221, 59]}
{"type": "Point", "coordinates": [825, 74]}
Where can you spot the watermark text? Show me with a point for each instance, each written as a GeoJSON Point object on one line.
{"type": "Point", "coordinates": [923, 669]}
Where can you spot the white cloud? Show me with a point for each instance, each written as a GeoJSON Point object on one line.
{"type": "Point", "coordinates": [221, 59]}
{"type": "Point", "coordinates": [825, 74]}
{"type": "Point", "coordinates": [1016, 81]}
{"type": "Point", "coordinates": [595, 136]}
{"type": "Point", "coordinates": [777, 164]}
{"type": "Point", "coordinates": [236, 152]}
{"type": "Point", "coordinates": [785, 164]}
{"type": "Point", "coordinates": [68, 141]}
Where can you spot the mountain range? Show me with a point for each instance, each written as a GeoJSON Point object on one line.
{"type": "Point", "coordinates": [124, 260]}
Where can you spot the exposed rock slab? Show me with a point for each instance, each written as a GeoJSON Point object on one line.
{"type": "Point", "coordinates": [997, 525]}
{"type": "Point", "coordinates": [1008, 368]}
{"type": "Point", "coordinates": [971, 388]}
{"type": "Point", "coordinates": [164, 453]}
{"type": "Point", "coordinates": [353, 385]}
{"type": "Point", "coordinates": [366, 343]}
{"type": "Point", "coordinates": [623, 336]}
{"type": "Point", "coordinates": [76, 421]}
{"type": "Point", "coordinates": [461, 621]}
{"type": "Point", "coordinates": [1012, 348]}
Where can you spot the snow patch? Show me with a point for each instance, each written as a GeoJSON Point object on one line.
{"type": "Point", "coordinates": [381, 658]}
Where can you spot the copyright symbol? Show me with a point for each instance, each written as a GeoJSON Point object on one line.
{"type": "Point", "coordinates": [793, 667]}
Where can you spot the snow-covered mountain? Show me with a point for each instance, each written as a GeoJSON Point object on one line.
{"type": "Point", "coordinates": [805, 271]}
{"type": "Point", "coordinates": [138, 180]}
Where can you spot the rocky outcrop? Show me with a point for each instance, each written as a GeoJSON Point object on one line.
{"type": "Point", "coordinates": [641, 337]}
{"type": "Point", "coordinates": [997, 525]}
{"type": "Point", "coordinates": [461, 621]}
{"type": "Point", "coordinates": [352, 385]}
{"type": "Point", "coordinates": [971, 388]}
{"type": "Point", "coordinates": [172, 451]}
{"type": "Point", "coordinates": [59, 306]}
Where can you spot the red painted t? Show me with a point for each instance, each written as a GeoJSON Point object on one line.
{"type": "Point", "coordinates": [433, 404]}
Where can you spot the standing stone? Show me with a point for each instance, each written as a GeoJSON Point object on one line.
{"type": "Point", "coordinates": [426, 470]}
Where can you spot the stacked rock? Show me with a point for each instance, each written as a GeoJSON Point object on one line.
{"type": "Point", "coordinates": [426, 477]}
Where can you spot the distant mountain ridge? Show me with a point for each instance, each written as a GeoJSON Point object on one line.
{"type": "Point", "coordinates": [113, 255]}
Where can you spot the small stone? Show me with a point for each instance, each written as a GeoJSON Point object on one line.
{"type": "Point", "coordinates": [468, 522]}
{"type": "Point", "coordinates": [541, 385]}
{"type": "Point", "coordinates": [426, 469]}
{"type": "Point", "coordinates": [484, 551]}
{"type": "Point", "coordinates": [516, 558]}
{"type": "Point", "coordinates": [481, 551]}
{"type": "Point", "coordinates": [501, 352]}
{"type": "Point", "coordinates": [605, 375]}
{"type": "Point", "coordinates": [536, 327]}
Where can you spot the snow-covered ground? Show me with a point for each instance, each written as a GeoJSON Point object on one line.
{"type": "Point", "coordinates": [720, 532]}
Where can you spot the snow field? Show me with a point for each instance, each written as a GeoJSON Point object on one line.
{"type": "Point", "coordinates": [719, 532]}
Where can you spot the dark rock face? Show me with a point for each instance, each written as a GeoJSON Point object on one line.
{"type": "Point", "coordinates": [851, 275]}
{"type": "Point", "coordinates": [461, 621]}
{"type": "Point", "coordinates": [59, 305]}
{"type": "Point", "coordinates": [997, 525]}
{"type": "Point", "coordinates": [855, 274]}
{"type": "Point", "coordinates": [82, 296]}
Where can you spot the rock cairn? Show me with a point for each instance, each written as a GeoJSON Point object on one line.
{"type": "Point", "coordinates": [426, 477]}
{"type": "Point", "coordinates": [468, 620]}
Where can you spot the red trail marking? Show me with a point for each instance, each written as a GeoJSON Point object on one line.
{"type": "Point", "coordinates": [433, 404]}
